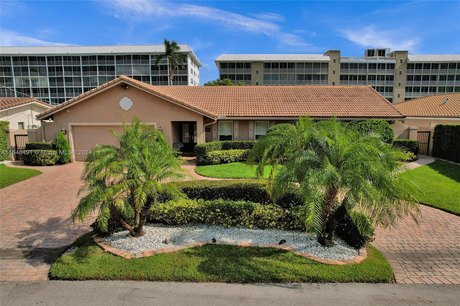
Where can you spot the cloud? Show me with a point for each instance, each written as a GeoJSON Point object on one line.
{"type": "Point", "coordinates": [371, 37]}
{"type": "Point", "coordinates": [269, 16]}
{"type": "Point", "coordinates": [10, 38]}
{"type": "Point", "coordinates": [144, 10]}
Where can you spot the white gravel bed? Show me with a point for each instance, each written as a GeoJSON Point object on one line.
{"type": "Point", "coordinates": [175, 236]}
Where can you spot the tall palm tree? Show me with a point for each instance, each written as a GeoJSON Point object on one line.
{"type": "Point", "coordinates": [124, 181]}
{"type": "Point", "coordinates": [335, 167]}
{"type": "Point", "coordinates": [174, 58]}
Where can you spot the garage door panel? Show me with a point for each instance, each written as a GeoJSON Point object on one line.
{"type": "Point", "coordinates": [86, 138]}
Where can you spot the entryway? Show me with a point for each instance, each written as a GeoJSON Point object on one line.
{"type": "Point", "coordinates": [423, 139]}
{"type": "Point", "coordinates": [185, 135]}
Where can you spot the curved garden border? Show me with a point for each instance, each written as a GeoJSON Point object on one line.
{"type": "Point", "coordinates": [108, 248]}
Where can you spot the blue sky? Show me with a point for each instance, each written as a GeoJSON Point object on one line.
{"type": "Point", "coordinates": [215, 27]}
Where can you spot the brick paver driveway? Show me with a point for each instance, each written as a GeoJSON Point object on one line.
{"type": "Point", "coordinates": [34, 221]}
{"type": "Point", "coordinates": [425, 253]}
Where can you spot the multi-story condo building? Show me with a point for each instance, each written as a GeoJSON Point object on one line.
{"type": "Point", "coordinates": [56, 74]}
{"type": "Point", "coordinates": [397, 75]}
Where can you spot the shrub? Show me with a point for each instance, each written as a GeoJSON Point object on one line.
{"type": "Point", "coordinates": [228, 213]}
{"type": "Point", "coordinates": [39, 146]}
{"type": "Point", "coordinates": [226, 156]}
{"type": "Point", "coordinates": [40, 157]}
{"type": "Point", "coordinates": [203, 149]}
{"type": "Point", "coordinates": [446, 142]}
{"type": "Point", "coordinates": [62, 148]}
{"type": "Point", "coordinates": [377, 126]}
{"type": "Point", "coordinates": [236, 190]}
{"type": "Point", "coordinates": [4, 154]}
{"type": "Point", "coordinates": [407, 144]}
{"type": "Point", "coordinates": [354, 228]}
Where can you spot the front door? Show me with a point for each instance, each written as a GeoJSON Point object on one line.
{"type": "Point", "coordinates": [423, 139]}
{"type": "Point", "coordinates": [188, 136]}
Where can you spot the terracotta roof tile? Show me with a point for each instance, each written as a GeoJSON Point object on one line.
{"type": "Point", "coordinates": [266, 101]}
{"type": "Point", "coordinates": [447, 105]}
{"type": "Point", "coordinates": [9, 102]}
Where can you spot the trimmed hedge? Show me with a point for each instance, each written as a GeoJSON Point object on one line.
{"type": "Point", "coordinates": [202, 150]}
{"type": "Point", "coordinates": [40, 157]}
{"type": "Point", "coordinates": [228, 213]}
{"type": "Point", "coordinates": [236, 190]}
{"type": "Point", "coordinates": [407, 144]}
{"type": "Point", "coordinates": [39, 146]}
{"type": "Point", "coordinates": [226, 156]}
{"type": "Point", "coordinates": [4, 154]}
{"type": "Point", "coordinates": [446, 142]}
{"type": "Point", "coordinates": [62, 148]}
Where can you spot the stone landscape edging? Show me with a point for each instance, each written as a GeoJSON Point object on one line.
{"type": "Point", "coordinates": [362, 254]}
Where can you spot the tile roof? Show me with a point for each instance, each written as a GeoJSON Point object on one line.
{"type": "Point", "coordinates": [10, 102]}
{"type": "Point", "coordinates": [447, 105]}
{"type": "Point", "coordinates": [266, 101]}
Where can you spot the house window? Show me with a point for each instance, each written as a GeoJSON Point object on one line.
{"type": "Point", "coordinates": [260, 129]}
{"type": "Point", "coordinates": [225, 130]}
{"type": "Point", "coordinates": [20, 125]}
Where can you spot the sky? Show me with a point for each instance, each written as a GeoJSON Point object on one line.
{"type": "Point", "coordinates": [211, 28]}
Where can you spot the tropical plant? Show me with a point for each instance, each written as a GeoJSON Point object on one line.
{"type": "Point", "coordinates": [62, 147]}
{"type": "Point", "coordinates": [174, 58]}
{"type": "Point", "coordinates": [335, 166]}
{"type": "Point", "coordinates": [123, 182]}
{"type": "Point", "coordinates": [224, 82]}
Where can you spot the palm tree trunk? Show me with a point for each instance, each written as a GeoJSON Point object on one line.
{"type": "Point", "coordinates": [326, 235]}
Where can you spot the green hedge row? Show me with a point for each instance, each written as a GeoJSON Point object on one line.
{"type": "Point", "coordinates": [377, 126]}
{"type": "Point", "coordinates": [4, 153]}
{"type": "Point", "coordinates": [446, 142]}
{"type": "Point", "coordinates": [236, 190]}
{"type": "Point", "coordinates": [226, 156]}
{"type": "Point", "coordinates": [202, 150]}
{"type": "Point", "coordinates": [40, 146]}
{"type": "Point", "coordinates": [40, 157]}
{"type": "Point", "coordinates": [228, 213]}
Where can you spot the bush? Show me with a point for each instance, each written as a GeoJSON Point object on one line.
{"type": "Point", "coordinates": [377, 126]}
{"type": "Point", "coordinates": [39, 146]}
{"type": "Point", "coordinates": [4, 154]}
{"type": "Point", "coordinates": [62, 148]}
{"type": "Point", "coordinates": [228, 213]}
{"type": "Point", "coordinates": [407, 144]}
{"type": "Point", "coordinates": [236, 190]}
{"type": "Point", "coordinates": [446, 142]}
{"type": "Point", "coordinates": [203, 149]}
{"type": "Point", "coordinates": [226, 156]}
{"type": "Point", "coordinates": [40, 157]}
{"type": "Point", "coordinates": [354, 228]}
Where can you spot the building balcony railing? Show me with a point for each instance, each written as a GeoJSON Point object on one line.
{"type": "Point", "coordinates": [432, 83]}
{"type": "Point", "coordinates": [432, 71]}
{"type": "Point", "coordinates": [235, 71]}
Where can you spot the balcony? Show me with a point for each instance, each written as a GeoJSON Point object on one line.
{"type": "Point", "coordinates": [235, 71]}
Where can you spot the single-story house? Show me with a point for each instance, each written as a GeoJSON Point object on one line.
{"type": "Point", "coordinates": [423, 114]}
{"type": "Point", "coordinates": [21, 114]}
{"type": "Point", "coordinates": [189, 115]}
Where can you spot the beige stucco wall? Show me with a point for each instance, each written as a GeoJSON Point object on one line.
{"type": "Point", "coordinates": [25, 113]}
{"type": "Point", "coordinates": [103, 112]}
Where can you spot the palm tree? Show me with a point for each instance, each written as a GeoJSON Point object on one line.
{"type": "Point", "coordinates": [174, 58]}
{"type": "Point", "coordinates": [123, 182]}
{"type": "Point", "coordinates": [335, 166]}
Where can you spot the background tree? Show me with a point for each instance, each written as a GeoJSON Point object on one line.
{"type": "Point", "coordinates": [62, 148]}
{"type": "Point", "coordinates": [174, 58]}
{"type": "Point", "coordinates": [336, 167]}
{"type": "Point", "coordinates": [123, 182]}
{"type": "Point", "coordinates": [224, 82]}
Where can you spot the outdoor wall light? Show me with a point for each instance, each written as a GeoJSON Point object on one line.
{"type": "Point", "coordinates": [64, 131]}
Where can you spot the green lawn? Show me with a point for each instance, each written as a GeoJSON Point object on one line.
{"type": "Point", "coordinates": [231, 170]}
{"type": "Point", "coordinates": [215, 263]}
{"type": "Point", "coordinates": [10, 175]}
{"type": "Point", "coordinates": [438, 184]}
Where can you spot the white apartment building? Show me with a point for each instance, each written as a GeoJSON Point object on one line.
{"type": "Point", "coordinates": [397, 75]}
{"type": "Point", "coordinates": [58, 73]}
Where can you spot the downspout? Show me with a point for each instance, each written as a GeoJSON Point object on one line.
{"type": "Point", "coordinates": [208, 124]}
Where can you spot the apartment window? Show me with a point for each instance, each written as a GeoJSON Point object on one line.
{"type": "Point", "coordinates": [257, 71]}
{"type": "Point", "coordinates": [261, 128]}
{"type": "Point", "coordinates": [20, 125]}
{"type": "Point", "coordinates": [225, 130]}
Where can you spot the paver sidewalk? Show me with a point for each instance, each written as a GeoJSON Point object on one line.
{"type": "Point", "coordinates": [34, 221]}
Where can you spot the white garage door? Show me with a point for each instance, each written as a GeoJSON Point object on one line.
{"type": "Point", "coordinates": [87, 137]}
